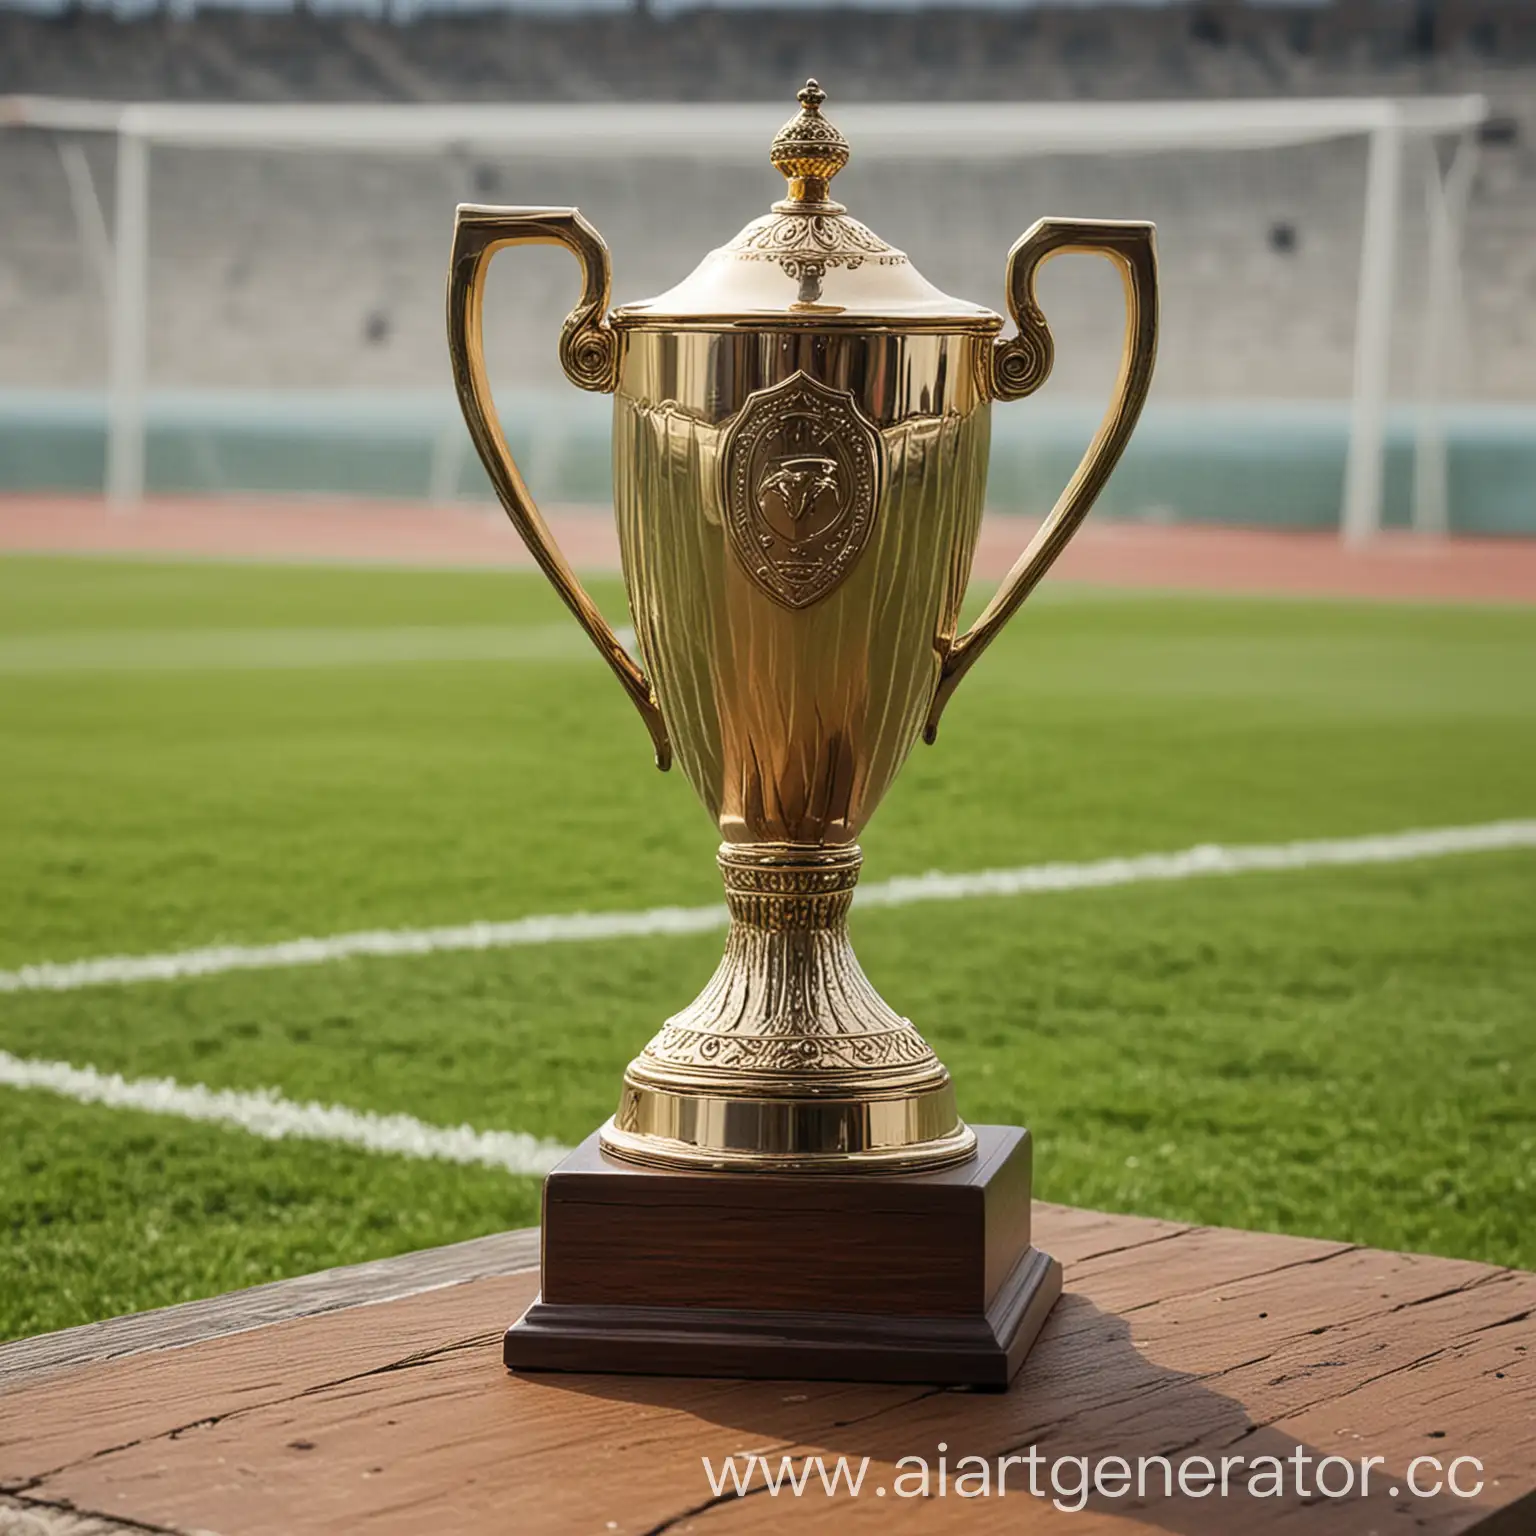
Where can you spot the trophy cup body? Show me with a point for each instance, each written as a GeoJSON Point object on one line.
{"type": "Point", "coordinates": [797, 514]}
{"type": "Point", "coordinates": [801, 432]}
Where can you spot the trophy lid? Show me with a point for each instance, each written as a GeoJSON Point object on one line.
{"type": "Point", "coordinates": [807, 262]}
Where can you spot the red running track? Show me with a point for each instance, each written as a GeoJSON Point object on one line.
{"type": "Point", "coordinates": [1394, 566]}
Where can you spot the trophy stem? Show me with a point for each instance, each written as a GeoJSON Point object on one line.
{"type": "Point", "coordinates": [789, 1060]}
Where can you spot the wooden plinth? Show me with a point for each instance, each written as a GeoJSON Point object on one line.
{"type": "Point", "coordinates": [869, 1277]}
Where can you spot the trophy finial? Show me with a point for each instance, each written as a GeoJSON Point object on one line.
{"type": "Point", "coordinates": [809, 150]}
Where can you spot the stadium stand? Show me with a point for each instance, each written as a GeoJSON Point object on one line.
{"type": "Point", "coordinates": [321, 271]}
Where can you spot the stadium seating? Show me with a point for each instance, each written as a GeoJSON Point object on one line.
{"type": "Point", "coordinates": [319, 271]}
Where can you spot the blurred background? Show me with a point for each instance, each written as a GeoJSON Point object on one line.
{"type": "Point", "coordinates": [292, 333]}
{"type": "Point", "coordinates": [298, 821]}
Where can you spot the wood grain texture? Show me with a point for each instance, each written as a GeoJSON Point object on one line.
{"type": "Point", "coordinates": [329, 1290]}
{"type": "Point", "coordinates": [397, 1417]}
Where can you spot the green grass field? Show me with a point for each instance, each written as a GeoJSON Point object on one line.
{"type": "Point", "coordinates": [194, 754]}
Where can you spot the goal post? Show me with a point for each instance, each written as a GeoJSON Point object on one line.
{"type": "Point", "coordinates": [910, 132]}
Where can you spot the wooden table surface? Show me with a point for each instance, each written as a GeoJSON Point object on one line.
{"type": "Point", "coordinates": [373, 1399]}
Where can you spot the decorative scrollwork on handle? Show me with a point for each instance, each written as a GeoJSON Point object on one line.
{"type": "Point", "coordinates": [589, 348]}
{"type": "Point", "coordinates": [1022, 363]}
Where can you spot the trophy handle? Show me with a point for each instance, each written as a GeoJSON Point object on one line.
{"type": "Point", "coordinates": [1020, 365]}
{"type": "Point", "coordinates": [589, 353]}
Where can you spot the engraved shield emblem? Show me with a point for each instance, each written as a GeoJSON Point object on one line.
{"type": "Point", "coordinates": [801, 473]}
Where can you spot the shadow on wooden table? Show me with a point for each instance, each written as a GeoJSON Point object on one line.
{"type": "Point", "coordinates": [1088, 1392]}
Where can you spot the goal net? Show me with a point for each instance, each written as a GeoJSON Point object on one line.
{"type": "Point", "coordinates": [250, 299]}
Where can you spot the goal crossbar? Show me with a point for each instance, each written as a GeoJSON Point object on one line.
{"type": "Point", "coordinates": [901, 131]}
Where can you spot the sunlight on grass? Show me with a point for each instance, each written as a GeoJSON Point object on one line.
{"type": "Point", "coordinates": [1345, 1053]}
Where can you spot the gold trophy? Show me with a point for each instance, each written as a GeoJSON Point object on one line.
{"type": "Point", "coordinates": [801, 434]}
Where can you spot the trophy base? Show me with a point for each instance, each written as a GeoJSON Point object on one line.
{"type": "Point", "coordinates": [789, 1060]}
{"type": "Point", "coordinates": [847, 1136]}
{"type": "Point", "coordinates": [926, 1277]}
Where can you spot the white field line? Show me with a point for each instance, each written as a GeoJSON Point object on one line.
{"type": "Point", "coordinates": [203, 650]}
{"type": "Point", "coordinates": [265, 1112]}
{"type": "Point", "coordinates": [1191, 863]}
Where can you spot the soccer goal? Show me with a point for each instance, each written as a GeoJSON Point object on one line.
{"type": "Point", "coordinates": [1311, 264]}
